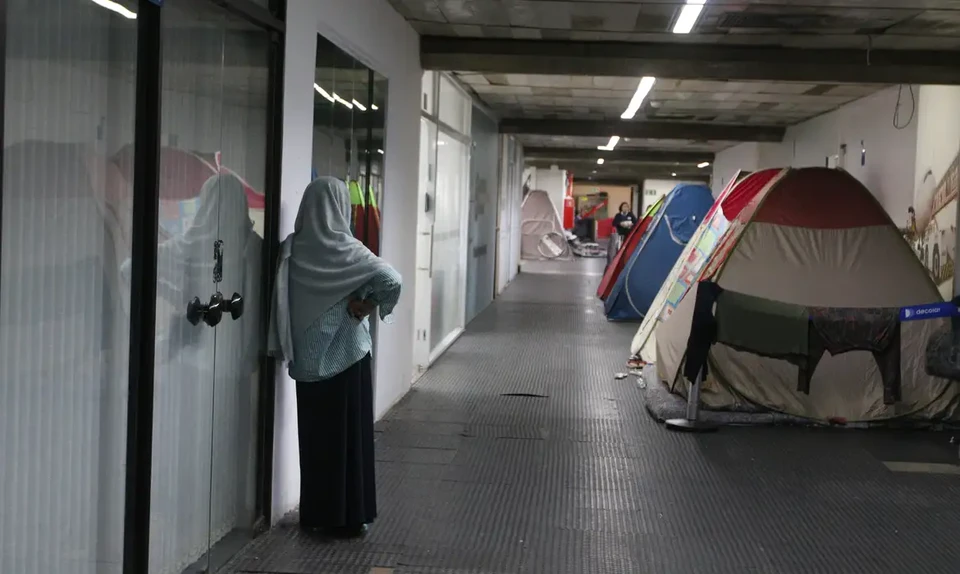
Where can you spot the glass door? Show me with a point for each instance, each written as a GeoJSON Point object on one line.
{"type": "Point", "coordinates": [213, 152]}
{"type": "Point", "coordinates": [449, 242]}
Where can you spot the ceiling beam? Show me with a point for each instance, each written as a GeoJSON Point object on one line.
{"type": "Point", "coordinates": [616, 170]}
{"type": "Point", "coordinates": [586, 169]}
{"type": "Point", "coordinates": [601, 180]}
{"type": "Point", "coordinates": [625, 155]}
{"type": "Point", "coordinates": [685, 60]}
{"type": "Point", "coordinates": [643, 129]}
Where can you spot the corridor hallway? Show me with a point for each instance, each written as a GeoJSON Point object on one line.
{"type": "Point", "coordinates": [519, 452]}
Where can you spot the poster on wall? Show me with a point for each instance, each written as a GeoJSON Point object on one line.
{"type": "Point", "coordinates": [931, 222]}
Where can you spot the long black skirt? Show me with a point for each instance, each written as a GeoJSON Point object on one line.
{"type": "Point", "coordinates": [335, 419]}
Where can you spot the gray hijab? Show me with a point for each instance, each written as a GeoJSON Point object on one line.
{"type": "Point", "coordinates": [321, 263]}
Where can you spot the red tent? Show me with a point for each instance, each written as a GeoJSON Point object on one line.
{"type": "Point", "coordinates": [629, 245]}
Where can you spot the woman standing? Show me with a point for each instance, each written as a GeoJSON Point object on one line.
{"type": "Point", "coordinates": [327, 284]}
{"type": "Point", "coordinates": [624, 220]}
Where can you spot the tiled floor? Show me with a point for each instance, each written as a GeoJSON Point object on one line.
{"type": "Point", "coordinates": [573, 476]}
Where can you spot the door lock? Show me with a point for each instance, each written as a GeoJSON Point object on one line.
{"type": "Point", "coordinates": [218, 261]}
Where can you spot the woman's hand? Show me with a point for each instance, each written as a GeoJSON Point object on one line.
{"type": "Point", "coordinates": [360, 309]}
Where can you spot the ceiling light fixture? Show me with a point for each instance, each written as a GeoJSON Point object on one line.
{"type": "Point", "coordinates": [688, 16]}
{"type": "Point", "coordinates": [380, 151]}
{"type": "Point", "coordinates": [358, 105]}
{"type": "Point", "coordinates": [323, 93]}
{"type": "Point", "coordinates": [114, 7]}
{"type": "Point", "coordinates": [646, 84]}
{"type": "Point", "coordinates": [374, 107]}
{"type": "Point", "coordinates": [342, 101]}
{"type": "Point", "coordinates": [703, 164]}
{"type": "Point", "coordinates": [600, 161]}
{"type": "Point", "coordinates": [673, 175]}
{"type": "Point", "coordinates": [614, 140]}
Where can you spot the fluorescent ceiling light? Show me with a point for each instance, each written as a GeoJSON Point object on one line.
{"type": "Point", "coordinates": [342, 101]}
{"type": "Point", "coordinates": [703, 165]}
{"type": "Point", "coordinates": [114, 7]}
{"type": "Point", "coordinates": [374, 107]}
{"type": "Point", "coordinates": [688, 16]}
{"type": "Point", "coordinates": [614, 140]}
{"type": "Point", "coordinates": [673, 175]}
{"type": "Point", "coordinates": [358, 105]}
{"type": "Point", "coordinates": [323, 93]}
{"type": "Point", "coordinates": [380, 151]}
{"type": "Point", "coordinates": [600, 161]}
{"type": "Point", "coordinates": [646, 84]}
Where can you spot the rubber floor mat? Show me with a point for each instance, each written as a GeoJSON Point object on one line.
{"type": "Point", "coordinates": [471, 482]}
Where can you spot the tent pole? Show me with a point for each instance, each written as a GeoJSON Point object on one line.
{"type": "Point", "coordinates": [692, 422]}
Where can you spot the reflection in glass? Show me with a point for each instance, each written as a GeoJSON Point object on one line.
{"type": "Point", "coordinates": [350, 105]}
{"type": "Point", "coordinates": [68, 106]}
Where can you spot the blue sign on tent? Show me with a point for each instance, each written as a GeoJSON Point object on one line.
{"type": "Point", "coordinates": [929, 311]}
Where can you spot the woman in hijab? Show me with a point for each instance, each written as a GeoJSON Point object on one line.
{"type": "Point", "coordinates": [327, 284]}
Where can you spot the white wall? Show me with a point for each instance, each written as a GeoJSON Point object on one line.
{"type": "Point", "coordinates": [888, 166]}
{"type": "Point", "coordinates": [728, 162]}
{"type": "Point", "coordinates": [938, 144]}
{"type": "Point", "coordinates": [372, 31]}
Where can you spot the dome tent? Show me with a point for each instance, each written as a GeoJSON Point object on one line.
{"type": "Point", "coordinates": [539, 218]}
{"type": "Point", "coordinates": [651, 262]}
{"type": "Point", "coordinates": [814, 237]}
{"type": "Point", "coordinates": [738, 192]}
{"type": "Point", "coordinates": [634, 238]}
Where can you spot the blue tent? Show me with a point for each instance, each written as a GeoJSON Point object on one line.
{"type": "Point", "coordinates": [655, 256]}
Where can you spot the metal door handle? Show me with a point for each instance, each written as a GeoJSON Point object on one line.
{"type": "Point", "coordinates": [211, 313]}
{"type": "Point", "coordinates": [234, 306]}
{"type": "Point", "coordinates": [215, 309]}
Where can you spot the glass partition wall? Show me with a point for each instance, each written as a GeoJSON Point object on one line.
{"type": "Point", "coordinates": [137, 209]}
{"type": "Point", "coordinates": [69, 107]}
{"type": "Point", "coordinates": [443, 222]}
